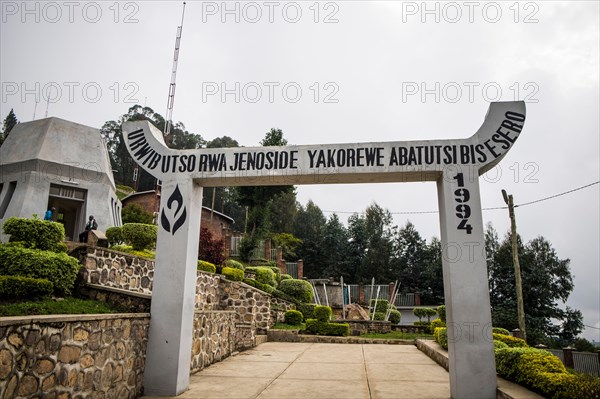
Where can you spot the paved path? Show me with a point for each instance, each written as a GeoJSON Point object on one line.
{"type": "Point", "coordinates": [276, 370]}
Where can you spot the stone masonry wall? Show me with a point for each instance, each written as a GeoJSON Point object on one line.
{"type": "Point", "coordinates": [117, 270]}
{"type": "Point", "coordinates": [73, 357]}
{"type": "Point", "coordinates": [214, 338]}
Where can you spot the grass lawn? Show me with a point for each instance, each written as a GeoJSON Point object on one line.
{"type": "Point", "coordinates": [397, 335]}
{"type": "Point", "coordinates": [283, 326]}
{"type": "Point", "coordinates": [53, 306]}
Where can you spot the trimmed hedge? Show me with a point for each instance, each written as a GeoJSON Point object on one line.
{"type": "Point", "coordinates": [441, 311]}
{"type": "Point", "coordinates": [285, 277]}
{"type": "Point", "coordinates": [499, 345]}
{"type": "Point", "coordinates": [234, 264]}
{"type": "Point", "coordinates": [35, 233]}
{"type": "Point", "coordinates": [263, 274]}
{"type": "Point", "coordinates": [322, 313]}
{"type": "Point", "coordinates": [233, 274]}
{"type": "Point", "coordinates": [380, 305]}
{"type": "Point", "coordinates": [58, 268]}
{"type": "Point", "coordinates": [114, 235]}
{"type": "Point", "coordinates": [424, 312]}
{"type": "Point", "coordinates": [499, 330]}
{"type": "Point", "coordinates": [440, 335]}
{"type": "Point", "coordinates": [140, 236]}
{"type": "Point", "coordinates": [379, 316]}
{"type": "Point", "coordinates": [544, 373]}
{"type": "Point", "coordinates": [298, 289]}
{"type": "Point", "coordinates": [293, 317]}
{"type": "Point", "coordinates": [17, 287]}
{"type": "Point", "coordinates": [206, 266]}
{"type": "Point", "coordinates": [512, 342]}
{"type": "Point", "coordinates": [435, 324]}
{"type": "Point", "coordinates": [395, 316]}
{"type": "Point", "coordinates": [263, 287]}
{"type": "Point", "coordinates": [324, 328]}
{"type": "Point", "coordinates": [307, 310]}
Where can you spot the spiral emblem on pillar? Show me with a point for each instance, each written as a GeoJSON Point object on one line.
{"type": "Point", "coordinates": [179, 215]}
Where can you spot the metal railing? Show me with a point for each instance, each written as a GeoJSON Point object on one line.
{"type": "Point", "coordinates": [292, 269]}
{"type": "Point", "coordinates": [405, 300]}
{"type": "Point", "coordinates": [587, 362]}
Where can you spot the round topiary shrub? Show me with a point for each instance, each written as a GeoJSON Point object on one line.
{"type": "Point", "coordinates": [322, 313]}
{"type": "Point", "coordinates": [441, 311]}
{"type": "Point", "coordinates": [233, 274]}
{"type": "Point", "coordinates": [307, 310]}
{"type": "Point", "coordinates": [263, 274]}
{"type": "Point", "coordinates": [35, 233]}
{"type": "Point", "coordinates": [395, 316]}
{"type": "Point", "coordinates": [435, 324]}
{"type": "Point", "coordinates": [140, 236]}
{"type": "Point", "coordinates": [380, 305]}
{"type": "Point", "coordinates": [379, 316]}
{"type": "Point", "coordinates": [114, 235]}
{"type": "Point", "coordinates": [301, 290]}
{"type": "Point", "coordinates": [234, 264]}
{"type": "Point", "coordinates": [293, 317]}
{"type": "Point", "coordinates": [499, 344]}
{"type": "Point", "coordinates": [500, 330]}
{"type": "Point", "coordinates": [206, 266]}
{"type": "Point", "coordinates": [285, 277]}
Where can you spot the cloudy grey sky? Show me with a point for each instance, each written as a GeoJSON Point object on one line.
{"type": "Point", "coordinates": [341, 71]}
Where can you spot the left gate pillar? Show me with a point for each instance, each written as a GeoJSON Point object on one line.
{"type": "Point", "coordinates": [167, 369]}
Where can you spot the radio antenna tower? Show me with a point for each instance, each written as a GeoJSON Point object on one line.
{"type": "Point", "coordinates": [171, 98]}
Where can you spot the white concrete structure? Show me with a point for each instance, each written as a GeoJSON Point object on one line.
{"type": "Point", "coordinates": [56, 163]}
{"type": "Point", "coordinates": [455, 166]}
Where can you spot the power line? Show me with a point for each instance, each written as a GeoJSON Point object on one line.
{"type": "Point", "coordinates": [585, 325]}
{"type": "Point", "coordinates": [486, 209]}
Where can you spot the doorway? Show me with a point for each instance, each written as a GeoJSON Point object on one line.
{"type": "Point", "coordinates": [69, 203]}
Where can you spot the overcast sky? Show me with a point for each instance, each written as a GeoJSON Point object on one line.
{"type": "Point", "coordinates": [338, 72]}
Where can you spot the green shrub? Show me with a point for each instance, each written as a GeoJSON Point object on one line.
{"type": "Point", "coordinates": [498, 330]}
{"type": "Point", "coordinates": [140, 236]}
{"type": "Point", "coordinates": [499, 345]}
{"type": "Point", "coordinates": [307, 310]}
{"type": "Point", "coordinates": [395, 316]}
{"type": "Point", "coordinates": [135, 213]}
{"type": "Point", "coordinates": [285, 277]}
{"type": "Point", "coordinates": [380, 305]}
{"type": "Point", "coordinates": [441, 311]}
{"type": "Point", "coordinates": [424, 312]}
{"type": "Point", "coordinates": [114, 235]}
{"type": "Point", "coordinates": [324, 328]}
{"type": "Point", "coordinates": [379, 316]}
{"type": "Point", "coordinates": [58, 268]}
{"type": "Point", "coordinates": [421, 323]}
{"type": "Point", "coordinates": [435, 324]}
{"type": "Point", "coordinates": [322, 313]}
{"type": "Point", "coordinates": [440, 335]}
{"type": "Point", "coordinates": [293, 317]}
{"type": "Point", "coordinates": [35, 233]}
{"type": "Point", "coordinates": [512, 342]}
{"type": "Point", "coordinates": [128, 249]}
{"type": "Point", "coordinates": [233, 263]}
{"type": "Point", "coordinates": [206, 266]}
{"type": "Point", "coordinates": [298, 289]}
{"type": "Point", "coordinates": [263, 275]}
{"type": "Point", "coordinates": [233, 274]}
{"type": "Point", "coordinates": [17, 287]}
{"type": "Point", "coordinates": [263, 287]}
{"type": "Point", "coordinates": [276, 270]}
{"type": "Point", "coordinates": [61, 247]}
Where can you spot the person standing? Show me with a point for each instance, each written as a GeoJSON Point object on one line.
{"type": "Point", "coordinates": [50, 214]}
{"type": "Point", "coordinates": [90, 225]}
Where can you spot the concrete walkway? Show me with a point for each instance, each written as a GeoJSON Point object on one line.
{"type": "Point", "coordinates": [277, 370]}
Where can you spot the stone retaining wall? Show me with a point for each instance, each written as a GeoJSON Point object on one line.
{"type": "Point", "coordinates": [117, 270]}
{"type": "Point", "coordinates": [358, 327]}
{"type": "Point", "coordinates": [72, 357]}
{"type": "Point", "coordinates": [214, 338]}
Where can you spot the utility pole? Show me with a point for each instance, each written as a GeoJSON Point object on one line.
{"type": "Point", "coordinates": [508, 199]}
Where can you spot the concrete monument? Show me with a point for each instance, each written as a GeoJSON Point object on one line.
{"type": "Point", "coordinates": [455, 166]}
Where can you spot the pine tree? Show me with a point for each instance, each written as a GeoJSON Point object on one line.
{"type": "Point", "coordinates": [9, 122]}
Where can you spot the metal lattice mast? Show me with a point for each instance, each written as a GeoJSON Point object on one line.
{"type": "Point", "coordinates": [171, 98]}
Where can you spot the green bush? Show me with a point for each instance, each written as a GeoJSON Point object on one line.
{"type": "Point", "coordinates": [58, 268]}
{"type": "Point", "coordinates": [307, 310]}
{"type": "Point", "coordinates": [17, 287]}
{"type": "Point", "coordinates": [441, 311]}
{"type": "Point", "coordinates": [421, 323]}
{"type": "Point", "coordinates": [263, 287]}
{"type": "Point", "coordinates": [285, 277]}
{"type": "Point", "coordinates": [435, 324]}
{"type": "Point", "coordinates": [263, 274]}
{"type": "Point", "coordinates": [322, 313]}
{"type": "Point", "coordinates": [498, 330]}
{"type": "Point", "coordinates": [440, 335]}
{"type": "Point", "coordinates": [35, 233]}
{"type": "Point", "coordinates": [379, 316]}
{"type": "Point", "coordinates": [380, 305]}
{"type": "Point", "coordinates": [135, 213]}
{"type": "Point", "coordinates": [233, 263]}
{"type": "Point", "coordinates": [128, 249]}
{"type": "Point", "coordinates": [499, 345]}
{"type": "Point", "coordinates": [395, 316]}
{"type": "Point", "coordinates": [140, 236]}
{"type": "Point", "coordinates": [206, 266]}
{"type": "Point", "coordinates": [233, 274]}
{"type": "Point", "coordinates": [298, 289]}
{"type": "Point", "coordinates": [293, 317]}
{"type": "Point", "coordinates": [324, 328]}
{"type": "Point", "coordinates": [512, 342]}
{"type": "Point", "coordinates": [424, 312]}
{"type": "Point", "coordinates": [114, 235]}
